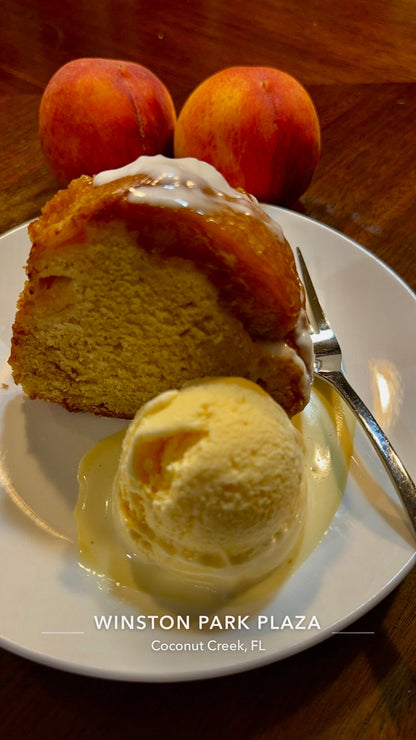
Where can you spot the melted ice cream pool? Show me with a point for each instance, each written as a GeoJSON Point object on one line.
{"type": "Point", "coordinates": [326, 427]}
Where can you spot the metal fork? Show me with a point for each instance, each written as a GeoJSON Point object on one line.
{"type": "Point", "coordinates": [328, 366]}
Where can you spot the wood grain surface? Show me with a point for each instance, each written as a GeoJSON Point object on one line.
{"type": "Point", "coordinates": [357, 59]}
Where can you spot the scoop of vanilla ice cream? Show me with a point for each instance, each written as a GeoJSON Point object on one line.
{"type": "Point", "coordinates": [210, 480]}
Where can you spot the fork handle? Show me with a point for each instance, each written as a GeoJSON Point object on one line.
{"type": "Point", "coordinates": [394, 466]}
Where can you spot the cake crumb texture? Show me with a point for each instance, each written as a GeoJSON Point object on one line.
{"type": "Point", "coordinates": [123, 302]}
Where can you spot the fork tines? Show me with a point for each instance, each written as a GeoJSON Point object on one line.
{"type": "Point", "coordinates": [315, 312]}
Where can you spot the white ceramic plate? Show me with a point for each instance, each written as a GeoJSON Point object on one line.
{"type": "Point", "coordinates": [49, 602]}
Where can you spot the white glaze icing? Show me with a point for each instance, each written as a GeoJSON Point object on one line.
{"type": "Point", "coordinates": [184, 183]}
{"type": "Point", "coordinates": [303, 358]}
{"type": "Point", "coordinates": [303, 341]}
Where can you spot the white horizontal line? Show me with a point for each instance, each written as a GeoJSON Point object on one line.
{"type": "Point", "coordinates": [349, 632]}
{"type": "Point", "coordinates": [62, 633]}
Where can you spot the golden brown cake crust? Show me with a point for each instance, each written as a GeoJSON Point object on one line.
{"type": "Point", "coordinates": [124, 301]}
{"type": "Point", "coordinates": [251, 265]}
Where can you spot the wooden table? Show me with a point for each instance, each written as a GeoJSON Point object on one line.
{"type": "Point", "coordinates": [357, 58]}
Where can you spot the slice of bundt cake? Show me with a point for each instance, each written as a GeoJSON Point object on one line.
{"type": "Point", "coordinates": [144, 278]}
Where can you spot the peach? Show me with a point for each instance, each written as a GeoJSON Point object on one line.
{"type": "Point", "coordinates": [258, 126]}
{"type": "Point", "coordinates": [99, 114]}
